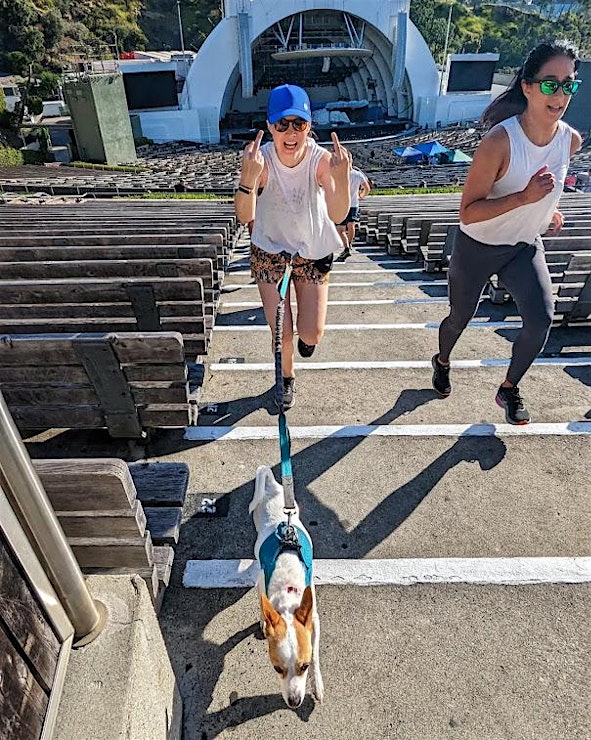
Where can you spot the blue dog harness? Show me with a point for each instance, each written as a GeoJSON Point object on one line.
{"type": "Point", "coordinates": [283, 540]}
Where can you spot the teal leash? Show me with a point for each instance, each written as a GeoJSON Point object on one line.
{"type": "Point", "coordinates": [284, 438]}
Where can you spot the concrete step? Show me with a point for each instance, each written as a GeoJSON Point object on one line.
{"type": "Point", "coordinates": [401, 497]}
{"type": "Point", "coordinates": [419, 663]}
{"type": "Point", "coordinates": [553, 394]}
{"type": "Point", "coordinates": [388, 343]}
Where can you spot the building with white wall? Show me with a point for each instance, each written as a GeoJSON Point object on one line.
{"type": "Point", "coordinates": [339, 50]}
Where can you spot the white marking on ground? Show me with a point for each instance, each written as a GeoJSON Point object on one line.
{"type": "Point", "coordinates": [402, 572]}
{"type": "Point", "coordinates": [395, 364]}
{"type": "Point", "coordinates": [335, 284]}
{"type": "Point", "coordinates": [229, 433]}
{"type": "Point", "coordinates": [376, 302]}
{"type": "Point", "coordinates": [367, 327]}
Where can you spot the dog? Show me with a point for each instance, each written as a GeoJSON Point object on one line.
{"type": "Point", "coordinates": [289, 618]}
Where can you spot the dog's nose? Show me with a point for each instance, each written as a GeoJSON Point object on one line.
{"type": "Point", "coordinates": [294, 701]}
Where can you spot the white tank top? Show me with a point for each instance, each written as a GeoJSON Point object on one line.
{"type": "Point", "coordinates": [291, 212]}
{"type": "Point", "coordinates": [356, 180]}
{"type": "Point", "coordinates": [525, 223]}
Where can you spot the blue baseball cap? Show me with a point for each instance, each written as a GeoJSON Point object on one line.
{"type": "Point", "coordinates": [288, 100]}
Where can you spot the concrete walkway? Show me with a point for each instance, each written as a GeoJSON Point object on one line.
{"type": "Point", "coordinates": [384, 471]}
{"type": "Point", "coordinates": [417, 662]}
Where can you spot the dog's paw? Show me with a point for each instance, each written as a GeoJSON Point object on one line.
{"type": "Point", "coordinates": [318, 688]}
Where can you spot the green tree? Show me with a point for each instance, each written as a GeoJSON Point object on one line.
{"type": "Point", "coordinates": [52, 24]}
{"type": "Point", "coordinates": [34, 105]}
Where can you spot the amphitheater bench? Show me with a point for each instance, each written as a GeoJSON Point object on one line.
{"type": "Point", "coordinates": [62, 267]}
{"type": "Point", "coordinates": [100, 506]}
{"type": "Point", "coordinates": [67, 305]}
{"type": "Point", "coordinates": [127, 383]}
{"type": "Point", "coordinates": [574, 292]}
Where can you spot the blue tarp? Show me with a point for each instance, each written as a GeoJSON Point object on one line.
{"type": "Point", "coordinates": [408, 153]}
{"type": "Point", "coordinates": [430, 148]}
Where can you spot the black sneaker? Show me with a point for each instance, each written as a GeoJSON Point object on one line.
{"type": "Point", "coordinates": [510, 400]}
{"type": "Point", "coordinates": [305, 350]}
{"type": "Point", "coordinates": [440, 378]}
{"type": "Point", "coordinates": [288, 393]}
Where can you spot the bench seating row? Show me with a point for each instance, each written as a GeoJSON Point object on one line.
{"type": "Point", "coordinates": [423, 229]}
{"type": "Point", "coordinates": [111, 327]}
{"type": "Point", "coordinates": [119, 518]}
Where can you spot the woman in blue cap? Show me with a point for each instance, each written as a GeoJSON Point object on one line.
{"type": "Point", "coordinates": [295, 191]}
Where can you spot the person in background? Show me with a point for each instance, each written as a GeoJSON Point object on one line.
{"type": "Point", "coordinates": [359, 187]}
{"type": "Point", "coordinates": [510, 198]}
{"type": "Point", "coordinates": [295, 191]}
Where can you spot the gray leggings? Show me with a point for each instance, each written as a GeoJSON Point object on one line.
{"type": "Point", "coordinates": [523, 270]}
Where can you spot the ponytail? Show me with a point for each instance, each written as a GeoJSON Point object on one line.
{"type": "Point", "coordinates": [513, 102]}
{"type": "Point", "coordinates": [510, 103]}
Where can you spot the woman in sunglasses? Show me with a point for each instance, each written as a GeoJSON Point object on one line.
{"type": "Point", "coordinates": [295, 191]}
{"type": "Point", "coordinates": [509, 200]}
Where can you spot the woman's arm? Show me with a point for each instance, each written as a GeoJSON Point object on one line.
{"type": "Point", "coordinates": [252, 176]}
{"type": "Point", "coordinates": [333, 175]}
{"type": "Point", "coordinates": [557, 221]}
{"type": "Point", "coordinates": [491, 160]}
{"type": "Point", "coordinates": [364, 189]}
{"type": "Point", "coordinates": [576, 142]}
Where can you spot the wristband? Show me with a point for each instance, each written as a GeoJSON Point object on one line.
{"type": "Point", "coordinates": [245, 190]}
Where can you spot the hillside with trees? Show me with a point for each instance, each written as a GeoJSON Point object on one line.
{"type": "Point", "coordinates": [507, 28]}
{"type": "Point", "coordinates": [50, 35]}
{"type": "Point", "coordinates": [54, 34]}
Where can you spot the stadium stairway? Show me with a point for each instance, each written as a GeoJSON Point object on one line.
{"type": "Point", "coordinates": [453, 584]}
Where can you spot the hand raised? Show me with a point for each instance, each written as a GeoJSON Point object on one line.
{"type": "Point", "coordinates": [252, 161]}
{"type": "Point", "coordinates": [541, 183]}
{"type": "Point", "coordinates": [339, 160]}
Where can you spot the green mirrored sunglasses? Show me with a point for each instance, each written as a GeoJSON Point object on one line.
{"type": "Point", "coordinates": [549, 87]}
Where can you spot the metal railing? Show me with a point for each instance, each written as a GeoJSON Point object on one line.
{"type": "Point", "coordinates": [33, 509]}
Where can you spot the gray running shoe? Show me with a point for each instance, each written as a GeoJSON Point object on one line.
{"type": "Point", "coordinates": [510, 399]}
{"type": "Point", "coordinates": [288, 393]}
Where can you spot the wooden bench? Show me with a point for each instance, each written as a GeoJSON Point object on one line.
{"type": "Point", "coordinates": [574, 292]}
{"type": "Point", "coordinates": [127, 383]}
{"type": "Point", "coordinates": [68, 305]}
{"type": "Point", "coordinates": [118, 252]}
{"type": "Point", "coordinates": [111, 519]}
{"type": "Point", "coordinates": [112, 268]}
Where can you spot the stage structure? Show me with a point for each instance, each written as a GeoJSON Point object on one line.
{"type": "Point", "coordinates": [361, 61]}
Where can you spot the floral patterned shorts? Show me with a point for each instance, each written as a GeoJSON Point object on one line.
{"type": "Point", "coordinates": [269, 268]}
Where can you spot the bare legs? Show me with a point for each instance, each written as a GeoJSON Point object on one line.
{"type": "Point", "coordinates": [312, 300]}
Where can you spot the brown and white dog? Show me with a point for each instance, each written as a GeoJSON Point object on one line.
{"type": "Point", "coordinates": [288, 601]}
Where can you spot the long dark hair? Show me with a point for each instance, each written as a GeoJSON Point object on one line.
{"type": "Point", "coordinates": [513, 101]}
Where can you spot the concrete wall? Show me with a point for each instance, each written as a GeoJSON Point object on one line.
{"type": "Point", "coordinates": [98, 108]}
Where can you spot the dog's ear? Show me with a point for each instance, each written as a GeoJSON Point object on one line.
{"type": "Point", "coordinates": [305, 610]}
{"type": "Point", "coordinates": [270, 615]}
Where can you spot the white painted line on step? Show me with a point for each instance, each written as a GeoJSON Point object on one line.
{"type": "Point", "coordinates": [335, 284]}
{"type": "Point", "coordinates": [402, 572]}
{"type": "Point", "coordinates": [395, 364]}
{"type": "Point", "coordinates": [367, 327]}
{"type": "Point", "coordinates": [376, 302]}
{"type": "Point", "coordinates": [209, 434]}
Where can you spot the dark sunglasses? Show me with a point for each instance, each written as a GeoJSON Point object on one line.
{"type": "Point", "coordinates": [549, 87]}
{"type": "Point", "coordinates": [282, 125]}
